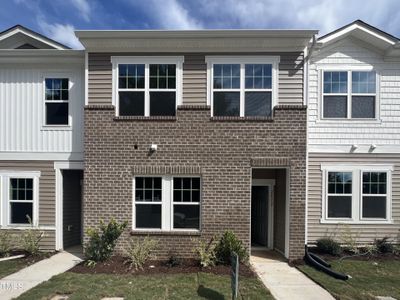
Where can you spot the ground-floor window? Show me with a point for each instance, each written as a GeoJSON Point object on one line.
{"type": "Point", "coordinates": [19, 198]}
{"type": "Point", "coordinates": [167, 203]}
{"type": "Point", "coordinates": [358, 193]}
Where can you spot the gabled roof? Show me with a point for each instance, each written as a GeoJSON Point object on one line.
{"type": "Point", "coordinates": [367, 33]}
{"type": "Point", "coordinates": [18, 35]}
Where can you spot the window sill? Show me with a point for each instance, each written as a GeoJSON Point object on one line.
{"type": "Point", "coordinates": [143, 118]}
{"type": "Point", "coordinates": [359, 222]}
{"type": "Point", "coordinates": [55, 127]}
{"type": "Point", "coordinates": [169, 233]}
{"type": "Point", "coordinates": [349, 121]}
{"type": "Point", "coordinates": [26, 227]}
{"type": "Point", "coordinates": [241, 119]}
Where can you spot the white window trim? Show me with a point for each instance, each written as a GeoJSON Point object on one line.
{"type": "Point", "coordinates": [242, 60]}
{"type": "Point", "coordinates": [349, 69]}
{"type": "Point", "coordinates": [70, 78]}
{"type": "Point", "coordinates": [356, 193]}
{"type": "Point", "coordinates": [5, 198]}
{"type": "Point", "coordinates": [146, 60]}
{"type": "Point", "coordinates": [167, 203]}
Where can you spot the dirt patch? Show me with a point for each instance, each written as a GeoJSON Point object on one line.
{"type": "Point", "coordinates": [118, 265]}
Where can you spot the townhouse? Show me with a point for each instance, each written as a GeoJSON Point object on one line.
{"type": "Point", "coordinates": [273, 134]}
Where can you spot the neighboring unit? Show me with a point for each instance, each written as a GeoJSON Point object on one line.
{"type": "Point", "coordinates": [41, 136]}
{"type": "Point", "coordinates": [354, 135]}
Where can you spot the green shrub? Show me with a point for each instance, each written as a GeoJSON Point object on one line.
{"type": "Point", "coordinates": [102, 241]}
{"type": "Point", "coordinates": [31, 239]}
{"type": "Point", "coordinates": [206, 253]}
{"type": "Point", "coordinates": [5, 243]}
{"type": "Point", "coordinates": [383, 245]}
{"type": "Point", "coordinates": [227, 244]}
{"type": "Point", "coordinates": [173, 260]}
{"type": "Point", "coordinates": [139, 252]}
{"type": "Point", "coordinates": [328, 246]}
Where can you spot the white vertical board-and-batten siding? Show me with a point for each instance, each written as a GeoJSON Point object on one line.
{"type": "Point", "coordinates": [22, 110]}
{"type": "Point", "coordinates": [385, 130]}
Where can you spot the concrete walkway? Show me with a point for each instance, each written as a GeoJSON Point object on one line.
{"type": "Point", "coordinates": [17, 283]}
{"type": "Point", "coordinates": [285, 282]}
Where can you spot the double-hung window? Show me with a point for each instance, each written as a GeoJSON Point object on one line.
{"type": "Point", "coordinates": [19, 198]}
{"type": "Point", "coordinates": [166, 203]}
{"type": "Point", "coordinates": [359, 193]}
{"type": "Point", "coordinates": [349, 95]}
{"type": "Point", "coordinates": [56, 101]}
{"type": "Point", "coordinates": [147, 86]}
{"type": "Point", "coordinates": [242, 86]}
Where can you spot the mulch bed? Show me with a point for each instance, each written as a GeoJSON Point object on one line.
{"type": "Point", "coordinates": [118, 265]}
{"type": "Point", "coordinates": [361, 257]}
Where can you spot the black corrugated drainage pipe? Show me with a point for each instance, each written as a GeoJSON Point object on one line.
{"type": "Point", "coordinates": [322, 265]}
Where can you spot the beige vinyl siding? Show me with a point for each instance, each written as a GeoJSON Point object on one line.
{"type": "Point", "coordinates": [366, 232]}
{"type": "Point", "coordinates": [195, 77]}
{"type": "Point", "coordinates": [47, 243]}
{"type": "Point", "coordinates": [47, 202]}
{"type": "Point", "coordinates": [47, 186]}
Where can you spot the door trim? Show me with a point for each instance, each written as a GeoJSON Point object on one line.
{"type": "Point", "coordinates": [270, 183]}
{"type": "Point", "coordinates": [58, 167]}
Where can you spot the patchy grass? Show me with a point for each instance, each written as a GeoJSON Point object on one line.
{"type": "Point", "coordinates": [8, 267]}
{"type": "Point", "coordinates": [177, 286]}
{"type": "Point", "coordinates": [370, 278]}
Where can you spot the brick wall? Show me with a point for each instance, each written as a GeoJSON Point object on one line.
{"type": "Point", "coordinates": [222, 150]}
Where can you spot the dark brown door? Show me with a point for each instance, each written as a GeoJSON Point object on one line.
{"type": "Point", "coordinates": [259, 215]}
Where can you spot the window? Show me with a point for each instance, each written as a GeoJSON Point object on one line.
{"type": "Point", "coordinates": [357, 193]}
{"type": "Point", "coordinates": [242, 86]}
{"type": "Point", "coordinates": [19, 197]}
{"type": "Point", "coordinates": [147, 86]}
{"type": "Point", "coordinates": [186, 202]}
{"type": "Point", "coordinates": [166, 203]}
{"type": "Point", "coordinates": [339, 194]}
{"type": "Point", "coordinates": [56, 101]}
{"type": "Point", "coordinates": [349, 94]}
{"type": "Point", "coordinates": [21, 200]}
{"type": "Point", "coordinates": [374, 195]}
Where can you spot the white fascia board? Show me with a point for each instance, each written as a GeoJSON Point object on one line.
{"type": "Point", "coordinates": [42, 56]}
{"type": "Point", "coordinates": [351, 28]}
{"type": "Point", "coordinates": [33, 36]}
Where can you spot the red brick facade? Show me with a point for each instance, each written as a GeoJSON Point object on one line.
{"type": "Point", "coordinates": [222, 151]}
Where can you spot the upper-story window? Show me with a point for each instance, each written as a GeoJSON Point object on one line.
{"type": "Point", "coordinates": [242, 86]}
{"type": "Point", "coordinates": [147, 86]}
{"type": "Point", "coordinates": [56, 101]}
{"type": "Point", "coordinates": [349, 95]}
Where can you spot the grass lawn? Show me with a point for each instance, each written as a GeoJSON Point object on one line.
{"type": "Point", "coordinates": [369, 279]}
{"type": "Point", "coordinates": [178, 286]}
{"type": "Point", "coordinates": [8, 267]}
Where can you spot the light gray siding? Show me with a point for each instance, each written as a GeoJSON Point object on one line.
{"type": "Point", "coordinates": [195, 77]}
{"type": "Point", "coordinates": [366, 232]}
{"type": "Point", "coordinates": [385, 131]}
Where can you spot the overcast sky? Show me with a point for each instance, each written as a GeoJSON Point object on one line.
{"type": "Point", "coordinates": [58, 19]}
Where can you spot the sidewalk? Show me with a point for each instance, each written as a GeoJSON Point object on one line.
{"type": "Point", "coordinates": [15, 284]}
{"type": "Point", "coordinates": [285, 282]}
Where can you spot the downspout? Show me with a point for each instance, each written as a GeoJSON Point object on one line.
{"type": "Point", "coordinates": [307, 54]}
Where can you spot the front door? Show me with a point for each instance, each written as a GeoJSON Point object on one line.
{"type": "Point", "coordinates": [259, 215]}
